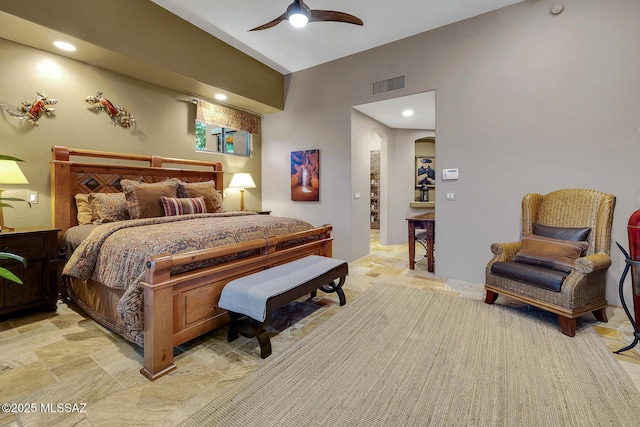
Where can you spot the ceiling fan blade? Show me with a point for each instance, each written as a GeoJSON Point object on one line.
{"type": "Point", "coordinates": [270, 24]}
{"type": "Point", "coordinates": [331, 15]}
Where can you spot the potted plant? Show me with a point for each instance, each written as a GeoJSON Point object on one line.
{"type": "Point", "coordinates": [4, 273]}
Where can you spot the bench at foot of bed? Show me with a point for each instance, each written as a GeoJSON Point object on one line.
{"type": "Point", "coordinates": [251, 299]}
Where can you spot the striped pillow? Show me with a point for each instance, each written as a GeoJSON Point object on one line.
{"type": "Point", "coordinates": [182, 206]}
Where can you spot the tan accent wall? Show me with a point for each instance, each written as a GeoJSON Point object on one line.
{"type": "Point", "coordinates": [164, 124]}
{"type": "Point", "coordinates": [143, 40]}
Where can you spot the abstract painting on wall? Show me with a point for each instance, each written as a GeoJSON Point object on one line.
{"type": "Point", "coordinates": [305, 176]}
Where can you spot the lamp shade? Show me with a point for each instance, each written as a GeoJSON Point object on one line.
{"type": "Point", "coordinates": [242, 180]}
{"type": "Point", "coordinates": [10, 173]}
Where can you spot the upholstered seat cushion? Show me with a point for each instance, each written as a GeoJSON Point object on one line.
{"type": "Point", "coordinates": [536, 275]}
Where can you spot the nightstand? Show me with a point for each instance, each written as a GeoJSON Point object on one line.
{"type": "Point", "coordinates": [39, 289]}
{"type": "Point", "coordinates": [260, 212]}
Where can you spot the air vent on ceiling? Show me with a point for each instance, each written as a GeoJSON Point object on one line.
{"type": "Point", "coordinates": [388, 85]}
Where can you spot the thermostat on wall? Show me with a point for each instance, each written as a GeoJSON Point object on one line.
{"type": "Point", "coordinates": [449, 174]}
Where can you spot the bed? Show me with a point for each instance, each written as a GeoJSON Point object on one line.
{"type": "Point", "coordinates": [157, 280]}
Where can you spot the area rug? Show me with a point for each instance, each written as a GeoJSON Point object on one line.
{"type": "Point", "coordinates": [406, 356]}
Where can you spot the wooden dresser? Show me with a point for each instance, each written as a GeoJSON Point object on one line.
{"type": "Point", "coordinates": [39, 289]}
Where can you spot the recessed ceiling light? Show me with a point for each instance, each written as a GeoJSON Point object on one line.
{"type": "Point", "coordinates": [220, 96]}
{"type": "Point", "coordinates": [407, 113]}
{"type": "Point", "coordinates": [64, 46]}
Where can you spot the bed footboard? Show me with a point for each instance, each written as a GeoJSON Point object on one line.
{"type": "Point", "coordinates": [180, 307]}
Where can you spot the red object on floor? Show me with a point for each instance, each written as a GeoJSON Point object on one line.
{"type": "Point", "coordinates": [633, 229]}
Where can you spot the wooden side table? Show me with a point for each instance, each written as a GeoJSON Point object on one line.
{"type": "Point", "coordinates": [426, 222]}
{"type": "Point", "coordinates": [40, 277]}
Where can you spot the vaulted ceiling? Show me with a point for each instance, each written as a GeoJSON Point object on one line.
{"type": "Point", "coordinates": [288, 49]}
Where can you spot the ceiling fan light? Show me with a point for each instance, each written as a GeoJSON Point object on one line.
{"type": "Point", "coordinates": [298, 19]}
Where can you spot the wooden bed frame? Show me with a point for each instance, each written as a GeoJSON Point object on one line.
{"type": "Point", "coordinates": [179, 307]}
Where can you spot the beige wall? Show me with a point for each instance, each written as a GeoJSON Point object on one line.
{"type": "Point", "coordinates": [165, 124]}
{"type": "Point", "coordinates": [526, 102]}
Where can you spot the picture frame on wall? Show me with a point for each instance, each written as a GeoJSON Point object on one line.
{"type": "Point", "coordinates": [425, 171]}
{"type": "Point", "coordinates": [305, 176]}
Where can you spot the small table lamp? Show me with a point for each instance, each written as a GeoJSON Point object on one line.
{"type": "Point", "coordinates": [10, 173]}
{"type": "Point", "coordinates": [242, 180]}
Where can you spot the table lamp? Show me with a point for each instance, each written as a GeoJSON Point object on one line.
{"type": "Point", "coordinates": [242, 180]}
{"type": "Point", "coordinates": [10, 173]}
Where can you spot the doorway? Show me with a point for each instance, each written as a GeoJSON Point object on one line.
{"type": "Point", "coordinates": [396, 134]}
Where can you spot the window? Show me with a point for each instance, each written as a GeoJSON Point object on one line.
{"type": "Point", "coordinates": [216, 139]}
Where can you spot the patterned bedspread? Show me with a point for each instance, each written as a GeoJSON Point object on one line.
{"type": "Point", "coordinates": [114, 254]}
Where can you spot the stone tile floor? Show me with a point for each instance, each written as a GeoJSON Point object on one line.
{"type": "Point", "coordinates": [64, 357]}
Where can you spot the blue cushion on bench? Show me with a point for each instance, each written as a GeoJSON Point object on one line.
{"type": "Point", "coordinates": [248, 295]}
{"type": "Point", "coordinates": [532, 274]}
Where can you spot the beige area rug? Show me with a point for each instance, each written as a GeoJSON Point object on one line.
{"type": "Point", "coordinates": [402, 356]}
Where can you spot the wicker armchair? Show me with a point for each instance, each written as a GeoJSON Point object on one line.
{"type": "Point", "coordinates": [583, 289]}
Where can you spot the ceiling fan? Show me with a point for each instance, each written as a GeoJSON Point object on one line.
{"type": "Point", "coordinates": [298, 14]}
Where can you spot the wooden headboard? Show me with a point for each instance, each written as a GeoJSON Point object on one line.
{"type": "Point", "coordinates": [85, 174]}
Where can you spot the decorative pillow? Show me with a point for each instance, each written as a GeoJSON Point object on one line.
{"type": "Point", "coordinates": [85, 212]}
{"type": "Point", "coordinates": [143, 200]}
{"type": "Point", "coordinates": [551, 253]}
{"type": "Point", "coordinates": [212, 197]}
{"type": "Point", "coordinates": [563, 233]}
{"type": "Point", "coordinates": [183, 206]}
{"type": "Point", "coordinates": [108, 207]}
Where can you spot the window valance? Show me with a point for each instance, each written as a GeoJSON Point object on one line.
{"type": "Point", "coordinates": [227, 117]}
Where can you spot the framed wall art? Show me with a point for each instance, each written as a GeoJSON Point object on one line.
{"type": "Point", "coordinates": [305, 176]}
{"type": "Point", "coordinates": [425, 171]}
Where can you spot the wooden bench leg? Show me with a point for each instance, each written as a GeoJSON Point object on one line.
{"type": "Point", "coordinates": [265, 343]}
{"type": "Point", "coordinates": [333, 287]}
{"type": "Point", "coordinates": [232, 335]}
{"type": "Point", "coordinates": [250, 328]}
